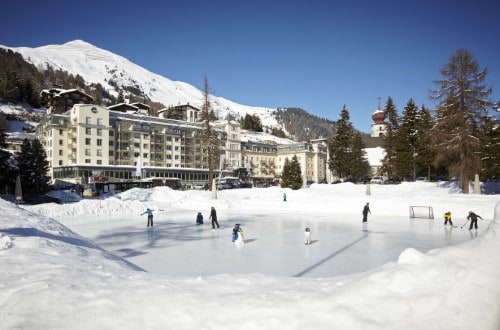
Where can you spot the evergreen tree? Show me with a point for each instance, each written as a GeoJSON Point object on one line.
{"type": "Point", "coordinates": [425, 152]}
{"type": "Point", "coordinates": [6, 172]}
{"type": "Point", "coordinates": [120, 98]}
{"type": "Point", "coordinates": [360, 165]}
{"type": "Point", "coordinates": [33, 167]}
{"type": "Point", "coordinates": [406, 141]}
{"type": "Point", "coordinates": [392, 120]}
{"type": "Point", "coordinates": [490, 151]}
{"type": "Point", "coordinates": [292, 174]}
{"type": "Point", "coordinates": [461, 116]}
{"type": "Point", "coordinates": [347, 158]}
{"type": "Point", "coordinates": [252, 123]}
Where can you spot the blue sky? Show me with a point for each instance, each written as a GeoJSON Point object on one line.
{"type": "Point", "coordinates": [316, 55]}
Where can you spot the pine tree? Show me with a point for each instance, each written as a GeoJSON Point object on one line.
{"type": "Point", "coordinates": [33, 167]}
{"type": "Point", "coordinates": [6, 172]}
{"type": "Point", "coordinates": [425, 152]}
{"type": "Point", "coordinates": [347, 158]}
{"type": "Point", "coordinates": [360, 165]}
{"type": "Point", "coordinates": [461, 116]}
{"type": "Point", "coordinates": [389, 137]}
{"type": "Point", "coordinates": [120, 98]}
{"type": "Point", "coordinates": [490, 151]}
{"type": "Point", "coordinates": [407, 142]}
{"type": "Point", "coordinates": [291, 176]}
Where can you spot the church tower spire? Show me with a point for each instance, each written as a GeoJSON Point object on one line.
{"type": "Point", "coordinates": [379, 126]}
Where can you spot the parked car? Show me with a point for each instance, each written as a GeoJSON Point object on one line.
{"type": "Point", "coordinates": [392, 181]}
{"type": "Point", "coordinates": [378, 180]}
{"type": "Point", "coordinates": [364, 180]}
{"type": "Point", "coordinates": [40, 199]}
{"type": "Point", "coordinates": [245, 184]}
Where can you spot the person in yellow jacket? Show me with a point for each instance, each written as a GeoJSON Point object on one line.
{"type": "Point", "coordinates": [447, 217]}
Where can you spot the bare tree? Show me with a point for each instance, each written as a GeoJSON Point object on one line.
{"type": "Point", "coordinates": [211, 143]}
{"type": "Point", "coordinates": [462, 107]}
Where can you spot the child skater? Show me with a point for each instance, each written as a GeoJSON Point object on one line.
{"type": "Point", "coordinates": [199, 219]}
{"type": "Point", "coordinates": [307, 236]}
{"type": "Point", "coordinates": [447, 217]}
{"type": "Point", "coordinates": [237, 237]}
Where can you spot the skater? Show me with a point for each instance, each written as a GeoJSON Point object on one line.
{"type": "Point", "coordinates": [149, 212]}
{"type": "Point", "coordinates": [307, 236]}
{"type": "Point", "coordinates": [366, 210]}
{"type": "Point", "coordinates": [199, 219]}
{"type": "Point", "coordinates": [237, 236]}
{"type": "Point", "coordinates": [236, 228]}
{"type": "Point", "coordinates": [473, 219]}
{"type": "Point", "coordinates": [213, 216]}
{"type": "Point", "coordinates": [284, 197]}
{"type": "Point", "coordinates": [447, 217]}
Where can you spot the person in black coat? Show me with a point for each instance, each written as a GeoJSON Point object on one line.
{"type": "Point", "coordinates": [213, 216]}
{"type": "Point", "coordinates": [473, 219]}
{"type": "Point", "coordinates": [366, 210]}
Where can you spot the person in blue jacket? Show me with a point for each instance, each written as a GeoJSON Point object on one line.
{"type": "Point", "coordinates": [149, 212]}
{"type": "Point", "coordinates": [199, 219]}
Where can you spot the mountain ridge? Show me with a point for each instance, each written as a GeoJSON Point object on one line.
{"type": "Point", "coordinates": [101, 66]}
{"type": "Point", "coordinates": [115, 73]}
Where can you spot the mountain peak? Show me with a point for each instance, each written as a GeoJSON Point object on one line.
{"type": "Point", "coordinates": [96, 65]}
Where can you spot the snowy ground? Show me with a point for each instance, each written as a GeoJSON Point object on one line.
{"type": "Point", "coordinates": [394, 272]}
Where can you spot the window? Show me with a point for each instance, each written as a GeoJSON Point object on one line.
{"type": "Point", "coordinates": [99, 153]}
{"type": "Point", "coordinates": [99, 121]}
{"type": "Point", "coordinates": [60, 163]}
{"type": "Point", "coordinates": [145, 155]}
{"type": "Point", "coordinates": [61, 142]}
{"type": "Point", "coordinates": [99, 131]}
{"type": "Point", "coordinates": [60, 152]}
{"type": "Point", "coordinates": [88, 120]}
{"type": "Point", "coordinates": [60, 132]}
{"type": "Point", "coordinates": [87, 161]}
{"type": "Point", "coordinates": [88, 152]}
{"type": "Point", "coordinates": [88, 131]}
{"type": "Point", "coordinates": [99, 162]}
{"type": "Point", "coordinates": [87, 141]}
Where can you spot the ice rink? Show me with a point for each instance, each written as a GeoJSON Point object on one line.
{"type": "Point", "coordinates": [176, 246]}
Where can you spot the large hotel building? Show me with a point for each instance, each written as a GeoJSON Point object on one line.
{"type": "Point", "coordinates": [88, 143]}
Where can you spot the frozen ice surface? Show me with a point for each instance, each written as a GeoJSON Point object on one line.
{"type": "Point", "coordinates": [176, 246]}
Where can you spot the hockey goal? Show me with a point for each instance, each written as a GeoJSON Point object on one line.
{"type": "Point", "coordinates": [421, 212]}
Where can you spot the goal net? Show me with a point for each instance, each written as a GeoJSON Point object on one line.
{"type": "Point", "coordinates": [421, 212]}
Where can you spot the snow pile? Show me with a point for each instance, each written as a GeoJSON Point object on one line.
{"type": "Point", "coordinates": [53, 278]}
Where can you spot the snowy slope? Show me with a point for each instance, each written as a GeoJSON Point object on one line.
{"type": "Point", "coordinates": [100, 66]}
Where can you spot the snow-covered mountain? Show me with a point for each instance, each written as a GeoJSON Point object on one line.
{"type": "Point", "coordinates": [96, 65]}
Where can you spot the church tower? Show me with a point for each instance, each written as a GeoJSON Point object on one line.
{"type": "Point", "coordinates": [379, 126]}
